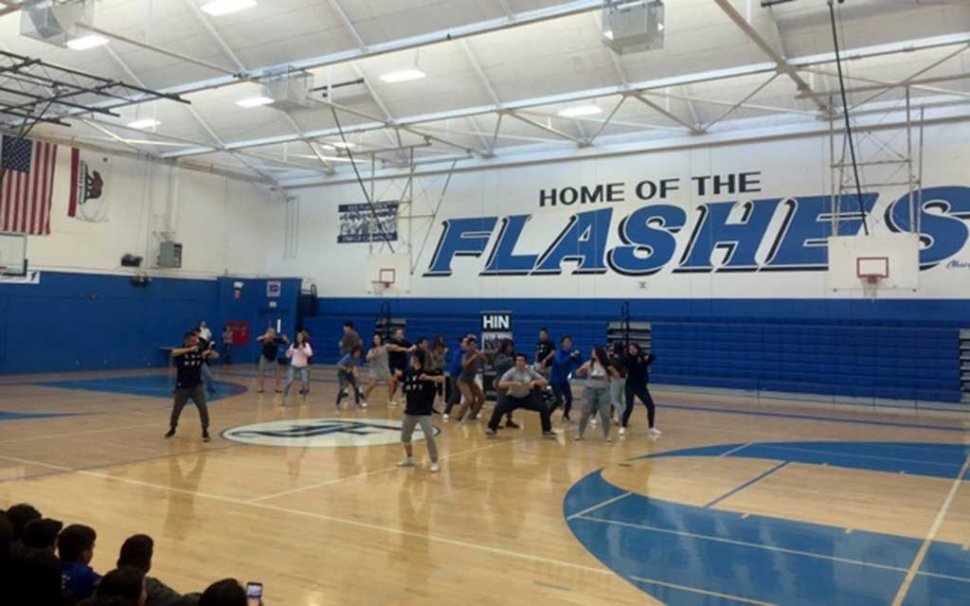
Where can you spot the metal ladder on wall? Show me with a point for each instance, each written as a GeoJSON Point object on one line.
{"type": "Point", "coordinates": [965, 364]}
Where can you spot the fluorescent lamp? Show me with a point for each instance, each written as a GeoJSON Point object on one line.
{"type": "Point", "coordinates": [218, 8]}
{"type": "Point", "coordinates": [580, 110]}
{"type": "Point", "coordinates": [342, 145]}
{"type": "Point", "coordinates": [256, 101]}
{"type": "Point", "coordinates": [403, 75]}
{"type": "Point", "coordinates": [86, 42]}
{"type": "Point", "coordinates": [144, 123]}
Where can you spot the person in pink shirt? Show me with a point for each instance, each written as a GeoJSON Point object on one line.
{"type": "Point", "coordinates": [299, 354]}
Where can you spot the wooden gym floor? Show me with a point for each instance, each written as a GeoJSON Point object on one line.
{"type": "Point", "coordinates": [739, 502]}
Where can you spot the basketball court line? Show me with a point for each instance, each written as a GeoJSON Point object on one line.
{"type": "Point", "coordinates": [734, 450]}
{"type": "Point", "coordinates": [854, 455]}
{"type": "Point", "coordinates": [753, 480]}
{"type": "Point", "coordinates": [385, 470]}
{"type": "Point", "coordinates": [695, 590]}
{"type": "Point", "coordinates": [930, 536]}
{"type": "Point", "coordinates": [599, 505]}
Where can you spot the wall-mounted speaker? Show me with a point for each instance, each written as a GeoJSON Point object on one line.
{"type": "Point", "coordinates": [130, 260]}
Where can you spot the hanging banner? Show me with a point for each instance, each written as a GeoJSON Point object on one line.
{"type": "Point", "coordinates": [273, 288]}
{"type": "Point", "coordinates": [240, 332]}
{"type": "Point", "coordinates": [361, 223]}
{"type": "Point", "coordinates": [496, 327]}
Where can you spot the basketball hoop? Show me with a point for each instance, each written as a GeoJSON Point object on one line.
{"type": "Point", "coordinates": [871, 271]}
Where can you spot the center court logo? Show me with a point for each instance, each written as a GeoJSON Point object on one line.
{"type": "Point", "coordinates": [321, 433]}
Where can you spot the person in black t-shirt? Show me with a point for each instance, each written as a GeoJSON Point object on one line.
{"type": "Point", "coordinates": [270, 342]}
{"type": "Point", "coordinates": [205, 345]}
{"type": "Point", "coordinates": [398, 349]}
{"type": "Point", "coordinates": [637, 364]}
{"type": "Point", "coordinates": [189, 360]}
{"type": "Point", "coordinates": [420, 387]}
{"type": "Point", "coordinates": [545, 350]}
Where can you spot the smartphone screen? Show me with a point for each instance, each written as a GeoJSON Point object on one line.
{"type": "Point", "coordinates": [254, 594]}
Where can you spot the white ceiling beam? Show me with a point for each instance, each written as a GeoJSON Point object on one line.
{"type": "Point", "coordinates": [740, 103]}
{"type": "Point", "coordinates": [923, 84]}
{"type": "Point", "coordinates": [915, 75]}
{"type": "Point", "coordinates": [783, 65]}
{"type": "Point", "coordinates": [693, 128]}
{"type": "Point", "coordinates": [204, 22]}
{"type": "Point", "coordinates": [547, 128]}
{"type": "Point", "coordinates": [905, 46]}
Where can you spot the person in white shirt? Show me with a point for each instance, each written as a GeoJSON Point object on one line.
{"type": "Point", "coordinates": [204, 331]}
{"type": "Point", "coordinates": [299, 354]}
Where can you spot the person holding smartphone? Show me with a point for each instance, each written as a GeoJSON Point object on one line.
{"type": "Point", "coordinates": [188, 383]}
{"type": "Point", "coordinates": [638, 375]}
{"type": "Point", "coordinates": [564, 362]}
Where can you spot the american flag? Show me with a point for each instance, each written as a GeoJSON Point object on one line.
{"type": "Point", "coordinates": [27, 186]}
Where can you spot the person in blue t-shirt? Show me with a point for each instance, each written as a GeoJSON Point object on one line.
{"type": "Point", "coordinates": [566, 360]}
{"type": "Point", "coordinates": [75, 546]}
{"type": "Point", "coordinates": [454, 369]}
{"type": "Point", "coordinates": [346, 368]}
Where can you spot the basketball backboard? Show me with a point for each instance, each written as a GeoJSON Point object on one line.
{"type": "Point", "coordinates": [886, 261]}
{"type": "Point", "coordinates": [388, 273]}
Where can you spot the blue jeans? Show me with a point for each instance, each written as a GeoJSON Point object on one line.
{"type": "Point", "coordinates": [618, 394]}
{"type": "Point", "coordinates": [304, 373]}
{"type": "Point", "coordinates": [344, 377]}
{"type": "Point", "coordinates": [597, 401]}
{"type": "Point", "coordinates": [208, 379]}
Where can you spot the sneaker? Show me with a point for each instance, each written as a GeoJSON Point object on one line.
{"type": "Point", "coordinates": [445, 416]}
{"type": "Point", "coordinates": [609, 439]}
{"type": "Point", "coordinates": [623, 431]}
{"type": "Point", "coordinates": [490, 433]}
{"type": "Point", "coordinates": [407, 462]}
{"type": "Point", "coordinates": [392, 404]}
{"type": "Point", "coordinates": [363, 404]}
{"type": "Point", "coordinates": [567, 421]}
{"type": "Point", "coordinates": [550, 435]}
{"type": "Point", "coordinates": [259, 391]}
{"type": "Point", "coordinates": [654, 431]}
{"type": "Point", "coordinates": [433, 468]}
{"type": "Point", "coordinates": [593, 421]}
{"type": "Point", "coordinates": [170, 433]}
{"type": "Point", "coordinates": [205, 436]}
{"type": "Point", "coordinates": [578, 438]}
{"type": "Point", "coordinates": [511, 425]}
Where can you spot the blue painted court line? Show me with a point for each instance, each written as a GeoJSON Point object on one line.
{"type": "Point", "coordinates": [155, 386]}
{"type": "Point", "coordinates": [19, 416]}
{"type": "Point", "coordinates": [785, 415]}
{"type": "Point", "coordinates": [746, 484]}
{"type": "Point", "coordinates": [687, 555]}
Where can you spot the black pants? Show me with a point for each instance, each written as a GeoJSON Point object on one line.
{"type": "Point", "coordinates": [564, 397]}
{"type": "Point", "coordinates": [643, 394]}
{"type": "Point", "coordinates": [454, 395]}
{"type": "Point", "coordinates": [531, 402]}
{"type": "Point", "coordinates": [182, 396]}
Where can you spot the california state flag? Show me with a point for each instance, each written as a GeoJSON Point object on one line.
{"type": "Point", "coordinates": [90, 174]}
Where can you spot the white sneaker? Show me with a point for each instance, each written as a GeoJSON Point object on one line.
{"type": "Point", "coordinates": [609, 439]}
{"type": "Point", "coordinates": [363, 404]}
{"type": "Point", "coordinates": [407, 462]}
{"type": "Point", "coordinates": [593, 421]}
{"type": "Point", "coordinates": [392, 404]}
{"type": "Point", "coordinates": [623, 431]}
{"type": "Point", "coordinates": [433, 468]}
{"type": "Point", "coordinates": [654, 431]}
{"type": "Point", "coordinates": [445, 417]}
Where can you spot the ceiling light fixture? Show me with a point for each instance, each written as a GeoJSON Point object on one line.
{"type": "Point", "coordinates": [343, 145]}
{"type": "Point", "coordinates": [85, 42]}
{"type": "Point", "coordinates": [404, 75]}
{"type": "Point", "coordinates": [257, 101]}
{"type": "Point", "coordinates": [144, 123]}
{"type": "Point", "coordinates": [218, 8]}
{"type": "Point", "coordinates": [578, 111]}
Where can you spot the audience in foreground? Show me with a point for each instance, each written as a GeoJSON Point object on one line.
{"type": "Point", "coordinates": [43, 563]}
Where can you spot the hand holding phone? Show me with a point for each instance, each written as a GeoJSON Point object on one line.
{"type": "Point", "coordinates": [254, 594]}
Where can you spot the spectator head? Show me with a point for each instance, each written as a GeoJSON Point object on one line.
{"type": "Point", "coordinates": [6, 536]}
{"type": "Point", "coordinates": [543, 333]}
{"type": "Point", "coordinates": [567, 342]}
{"type": "Point", "coordinates": [633, 349]}
{"type": "Point", "coordinates": [38, 580]}
{"type": "Point", "coordinates": [126, 582]}
{"type": "Point", "coordinates": [348, 326]}
{"type": "Point", "coordinates": [423, 343]}
{"type": "Point", "coordinates": [378, 339]}
{"type": "Point", "coordinates": [521, 361]}
{"type": "Point", "coordinates": [202, 324]}
{"type": "Point", "coordinates": [419, 359]}
{"type": "Point", "coordinates": [76, 544]}
{"type": "Point", "coordinates": [191, 339]}
{"type": "Point", "coordinates": [42, 534]}
{"type": "Point", "coordinates": [137, 552]}
{"type": "Point", "coordinates": [20, 515]}
{"type": "Point", "coordinates": [506, 346]}
{"type": "Point", "coordinates": [227, 592]}
{"type": "Point", "coordinates": [357, 352]}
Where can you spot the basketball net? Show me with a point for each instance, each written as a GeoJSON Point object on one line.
{"type": "Point", "coordinates": [870, 285]}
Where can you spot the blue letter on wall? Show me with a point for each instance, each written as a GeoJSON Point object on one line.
{"type": "Point", "coordinates": [647, 232]}
{"type": "Point", "coordinates": [461, 238]}
{"type": "Point", "coordinates": [503, 261]}
{"type": "Point", "coordinates": [583, 240]}
{"type": "Point", "coordinates": [942, 234]}
{"type": "Point", "coordinates": [740, 239]}
{"type": "Point", "coordinates": [802, 241]}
